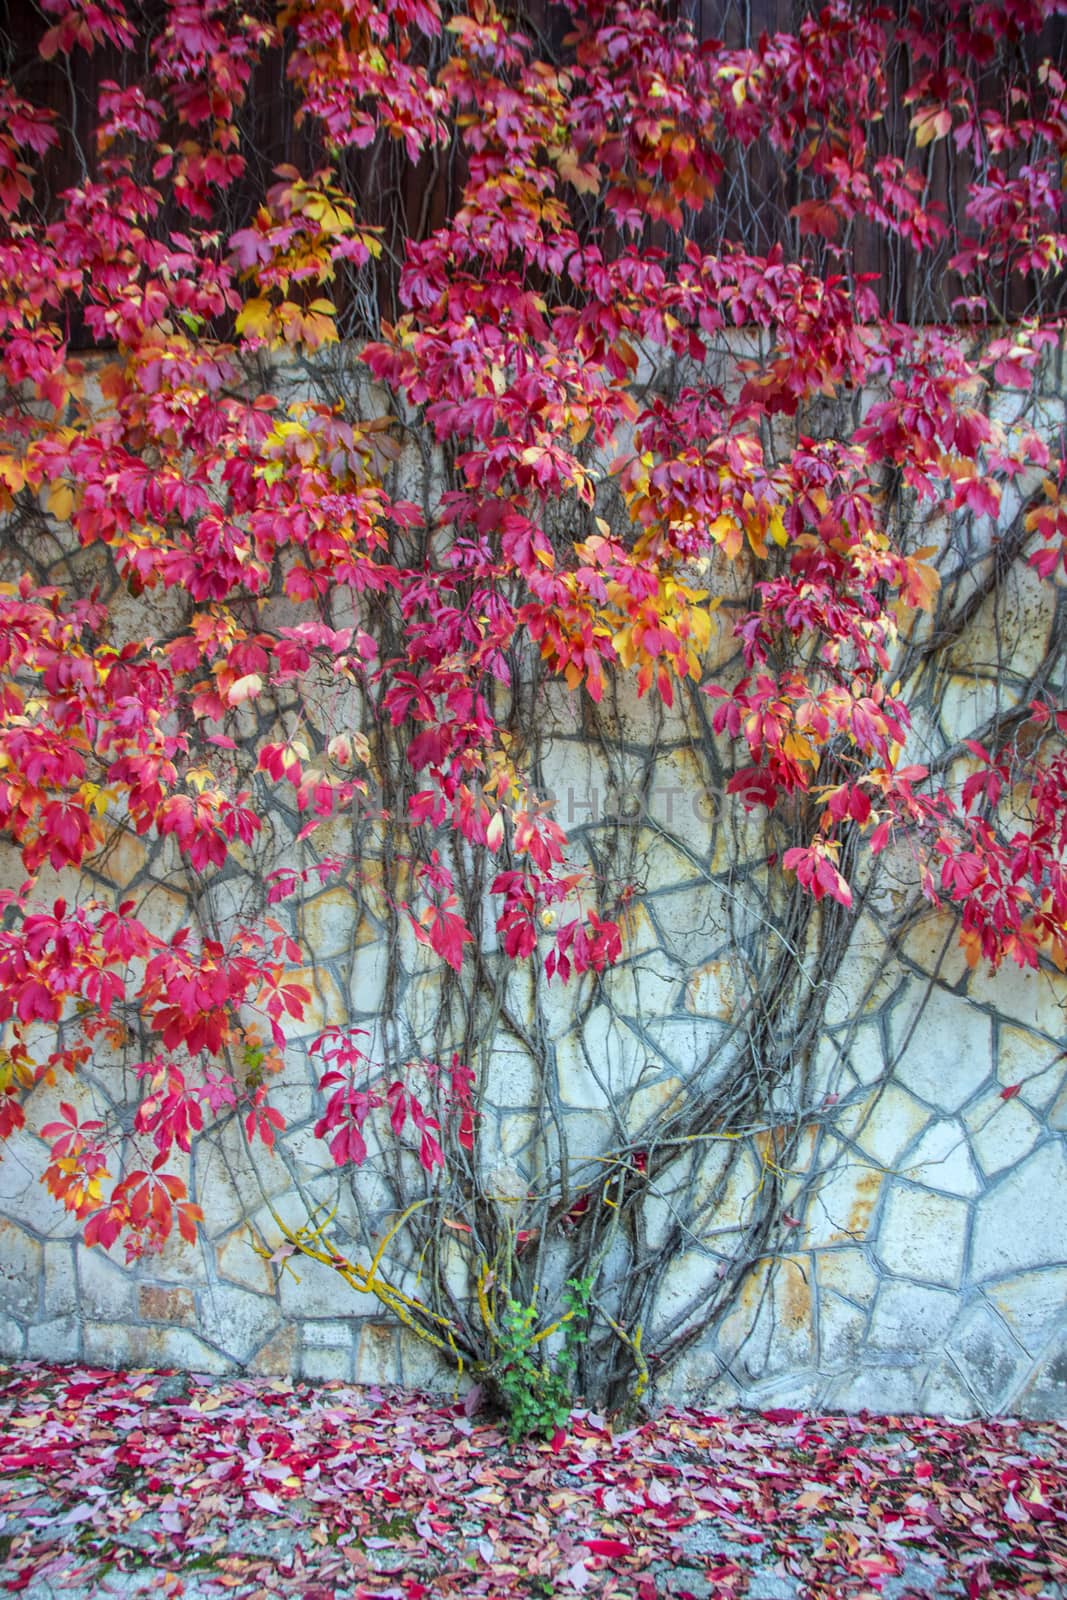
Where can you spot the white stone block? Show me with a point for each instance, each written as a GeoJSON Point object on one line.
{"type": "Point", "coordinates": [1003, 1132]}
{"type": "Point", "coordinates": [589, 1133]}
{"type": "Point", "coordinates": [326, 1364]}
{"type": "Point", "coordinates": [875, 1388]}
{"type": "Point", "coordinates": [377, 1357]}
{"type": "Point", "coordinates": [693, 921]}
{"type": "Point", "coordinates": [56, 1340]}
{"type": "Point", "coordinates": [861, 976]}
{"type": "Point", "coordinates": [941, 1160]}
{"type": "Point", "coordinates": [712, 989]}
{"type": "Point", "coordinates": [1045, 1396]}
{"type": "Point", "coordinates": [968, 701]}
{"type": "Point", "coordinates": [1032, 1305]}
{"type": "Point", "coordinates": [933, 944]}
{"type": "Point", "coordinates": [320, 1335]}
{"type": "Point", "coordinates": [21, 1260]}
{"type": "Point", "coordinates": [910, 1322]}
{"type": "Point", "coordinates": [1022, 1221]}
{"type": "Point", "coordinates": [663, 854]}
{"type": "Point", "coordinates": [990, 1361]}
{"type": "Point", "coordinates": [423, 1367]}
{"type": "Point", "coordinates": [638, 932]}
{"type": "Point", "coordinates": [865, 1053]}
{"type": "Point", "coordinates": [329, 924]}
{"type": "Point", "coordinates": [654, 1100]}
{"type": "Point", "coordinates": [122, 1344]}
{"type": "Point", "coordinates": [797, 1391]}
{"type": "Point", "coordinates": [944, 1046]}
{"type": "Point", "coordinates": [922, 1235]}
{"type": "Point", "coordinates": [646, 988]}
{"type": "Point", "coordinates": [583, 784]}
{"type": "Point", "coordinates": [1057, 1112]}
{"type": "Point", "coordinates": [690, 1046]}
{"type": "Point", "coordinates": [106, 1293]}
{"type": "Point", "coordinates": [232, 1179]}
{"type": "Point", "coordinates": [235, 1320]}
{"type": "Point", "coordinates": [296, 1097]}
{"type": "Point", "coordinates": [1027, 998]}
{"type": "Point", "coordinates": [946, 1394]}
{"type": "Point", "coordinates": [658, 1215]}
{"type": "Point", "coordinates": [842, 1328]}
{"type": "Point", "coordinates": [239, 1263]}
{"type": "Point", "coordinates": [597, 1059]}
{"type": "Point", "coordinates": [687, 1284]}
{"type": "Point", "coordinates": [320, 1291]}
{"type": "Point", "coordinates": [842, 1204]}
{"type": "Point", "coordinates": [1039, 1089]}
{"type": "Point", "coordinates": [12, 1338]}
{"type": "Point", "coordinates": [519, 1137]}
{"type": "Point", "coordinates": [893, 1120]}
{"type": "Point", "coordinates": [309, 1155]}
{"type": "Point", "coordinates": [848, 1272]}
{"type": "Point", "coordinates": [512, 1079]}
{"type": "Point", "coordinates": [725, 1190]}
{"type": "Point", "coordinates": [60, 1280]}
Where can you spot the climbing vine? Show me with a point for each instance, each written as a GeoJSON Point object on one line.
{"type": "Point", "coordinates": [332, 520]}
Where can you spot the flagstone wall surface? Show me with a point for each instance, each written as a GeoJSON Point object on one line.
{"type": "Point", "coordinates": [927, 1269]}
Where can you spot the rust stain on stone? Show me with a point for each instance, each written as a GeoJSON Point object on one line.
{"type": "Point", "coordinates": [277, 1358]}
{"type": "Point", "coordinates": [868, 1186]}
{"type": "Point", "coordinates": [752, 1288]}
{"type": "Point", "coordinates": [711, 990]}
{"type": "Point", "coordinates": [380, 1333]}
{"type": "Point", "coordinates": [167, 1305]}
{"type": "Point", "coordinates": [795, 1295]}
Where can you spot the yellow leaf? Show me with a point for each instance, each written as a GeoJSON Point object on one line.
{"type": "Point", "coordinates": [625, 647]}
{"type": "Point", "coordinates": [700, 623]}
{"type": "Point", "coordinates": [96, 797]}
{"type": "Point", "coordinates": [245, 688]}
{"type": "Point", "coordinates": [328, 216]}
{"type": "Point", "coordinates": [756, 540]}
{"type": "Point", "coordinates": [930, 124]}
{"type": "Point", "coordinates": [727, 533]}
{"type": "Point", "coordinates": [801, 749]}
{"type": "Point", "coordinates": [60, 501]}
{"type": "Point", "coordinates": [811, 1498]}
{"type": "Point", "coordinates": [586, 179]}
{"type": "Point", "coordinates": [257, 319]}
{"type": "Point", "coordinates": [12, 473]}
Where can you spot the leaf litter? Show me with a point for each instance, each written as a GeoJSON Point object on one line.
{"type": "Point", "coordinates": [159, 1483]}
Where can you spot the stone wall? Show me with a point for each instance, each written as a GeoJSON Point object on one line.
{"type": "Point", "coordinates": [922, 1259]}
